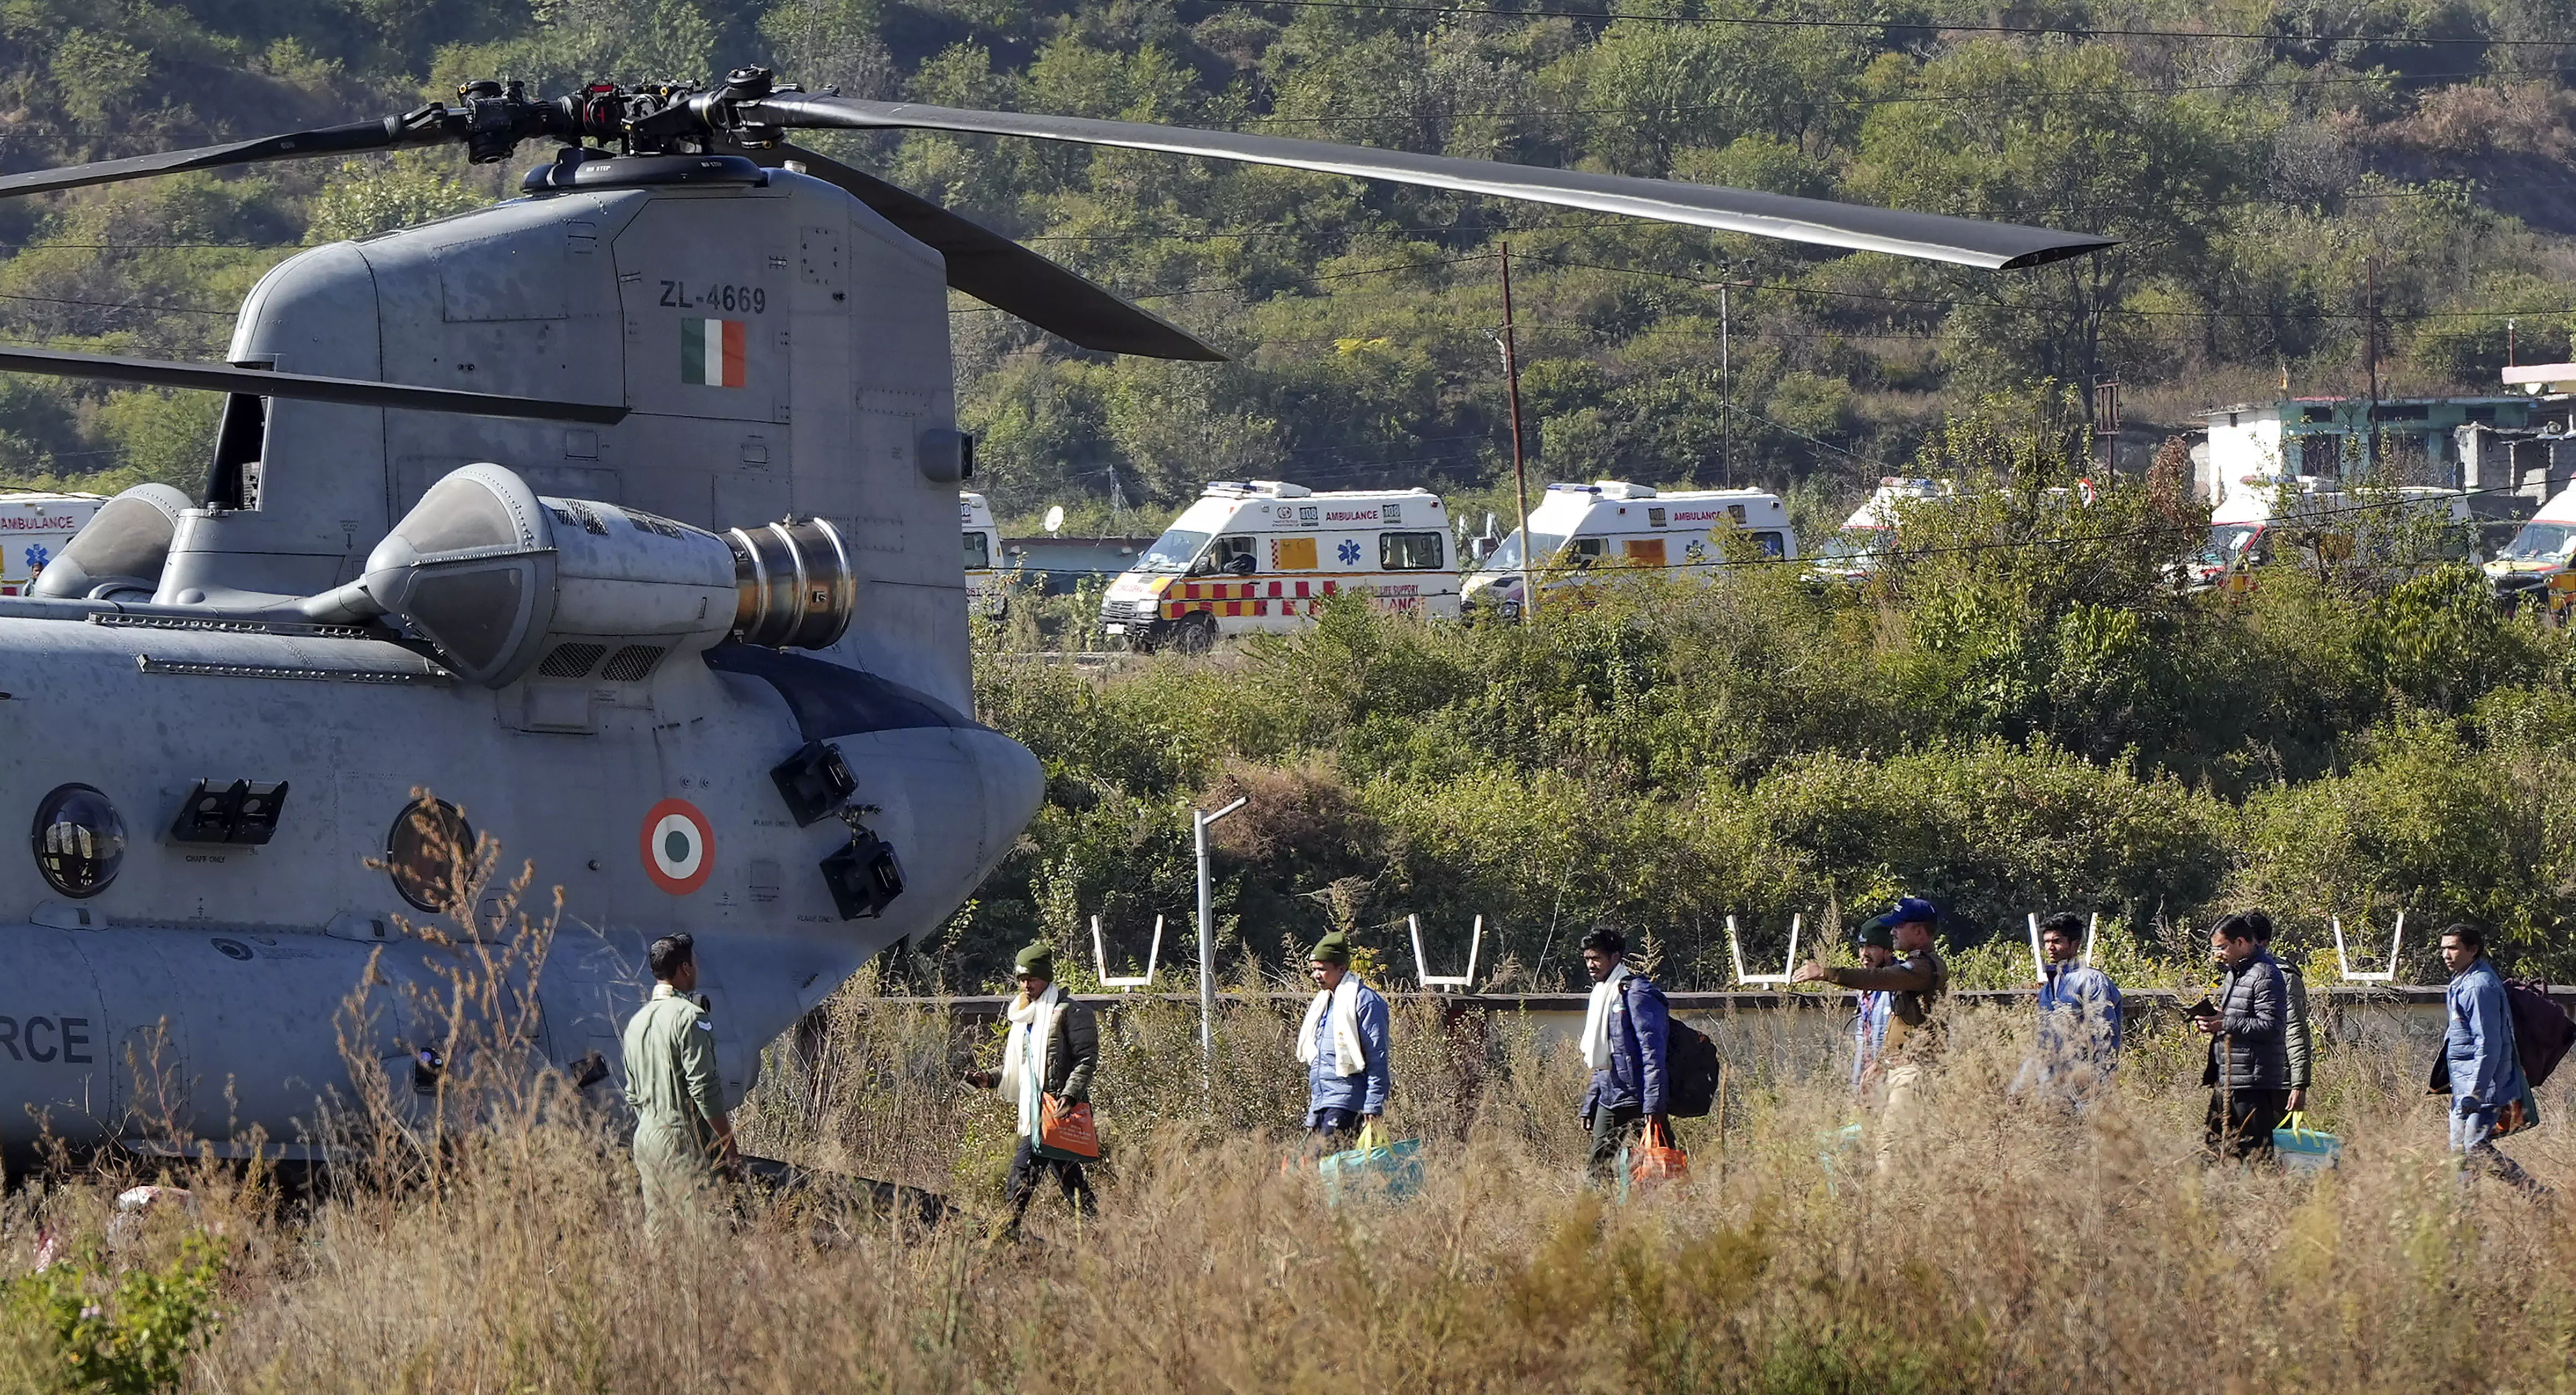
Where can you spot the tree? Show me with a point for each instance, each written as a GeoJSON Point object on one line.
{"type": "Point", "coordinates": [2057, 136]}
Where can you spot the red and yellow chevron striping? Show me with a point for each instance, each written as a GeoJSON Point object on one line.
{"type": "Point", "coordinates": [1235, 598]}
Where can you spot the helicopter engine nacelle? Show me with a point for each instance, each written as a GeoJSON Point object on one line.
{"type": "Point", "coordinates": [502, 581]}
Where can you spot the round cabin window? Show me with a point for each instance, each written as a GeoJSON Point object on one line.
{"type": "Point", "coordinates": [79, 840]}
{"type": "Point", "coordinates": [426, 851]}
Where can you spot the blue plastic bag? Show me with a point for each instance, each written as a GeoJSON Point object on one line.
{"type": "Point", "coordinates": [1378, 1169]}
{"type": "Point", "coordinates": [2303, 1149]}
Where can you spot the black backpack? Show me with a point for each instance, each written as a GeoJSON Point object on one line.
{"type": "Point", "coordinates": [1690, 1070]}
{"type": "Point", "coordinates": [2541, 1029]}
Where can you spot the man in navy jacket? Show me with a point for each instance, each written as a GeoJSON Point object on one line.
{"type": "Point", "coordinates": [1625, 1034]}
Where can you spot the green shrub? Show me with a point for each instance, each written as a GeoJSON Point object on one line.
{"type": "Point", "coordinates": [123, 1334]}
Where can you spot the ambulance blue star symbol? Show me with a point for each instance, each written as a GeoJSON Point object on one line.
{"type": "Point", "coordinates": [37, 556]}
{"type": "Point", "coordinates": [1349, 552]}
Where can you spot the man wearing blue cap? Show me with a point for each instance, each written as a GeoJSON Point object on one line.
{"type": "Point", "coordinates": [1919, 984]}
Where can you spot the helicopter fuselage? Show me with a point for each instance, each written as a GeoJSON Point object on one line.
{"type": "Point", "coordinates": [210, 987]}
{"type": "Point", "coordinates": [782, 352]}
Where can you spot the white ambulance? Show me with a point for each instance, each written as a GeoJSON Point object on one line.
{"type": "Point", "coordinates": [1260, 555]}
{"type": "Point", "coordinates": [2315, 520]}
{"type": "Point", "coordinates": [1581, 527]}
{"type": "Point", "coordinates": [1864, 540]}
{"type": "Point", "coordinates": [985, 589]}
{"type": "Point", "coordinates": [2536, 562]}
{"type": "Point", "coordinates": [33, 528]}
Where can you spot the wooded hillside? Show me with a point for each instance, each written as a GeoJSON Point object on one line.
{"type": "Point", "coordinates": [2266, 186]}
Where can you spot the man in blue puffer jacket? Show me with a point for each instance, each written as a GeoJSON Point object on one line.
{"type": "Point", "coordinates": [2478, 1051]}
{"type": "Point", "coordinates": [1625, 1038]}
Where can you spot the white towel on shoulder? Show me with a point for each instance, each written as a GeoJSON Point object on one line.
{"type": "Point", "coordinates": [1024, 1071]}
{"type": "Point", "coordinates": [1596, 1019]}
{"type": "Point", "coordinates": [1349, 1057]}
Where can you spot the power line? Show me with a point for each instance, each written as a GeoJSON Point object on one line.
{"type": "Point", "coordinates": [1952, 303]}
{"type": "Point", "coordinates": [1925, 26]}
{"type": "Point", "coordinates": [2010, 544]}
{"type": "Point", "coordinates": [119, 305]}
{"type": "Point", "coordinates": [150, 246]}
{"type": "Point", "coordinates": [2007, 95]}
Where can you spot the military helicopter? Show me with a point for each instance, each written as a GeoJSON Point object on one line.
{"type": "Point", "coordinates": [615, 522]}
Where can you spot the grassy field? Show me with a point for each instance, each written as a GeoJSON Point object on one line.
{"type": "Point", "coordinates": [2016, 1249]}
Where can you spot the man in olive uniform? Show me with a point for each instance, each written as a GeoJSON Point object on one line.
{"type": "Point", "coordinates": [682, 1133]}
{"type": "Point", "coordinates": [1920, 983]}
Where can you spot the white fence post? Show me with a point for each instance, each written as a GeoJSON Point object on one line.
{"type": "Point", "coordinates": [2343, 962]}
{"type": "Point", "coordinates": [1100, 959]}
{"type": "Point", "coordinates": [1736, 950]}
{"type": "Point", "coordinates": [1466, 982]}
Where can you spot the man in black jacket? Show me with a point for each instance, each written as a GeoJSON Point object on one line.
{"type": "Point", "coordinates": [1050, 1053]}
{"type": "Point", "coordinates": [2249, 1069]}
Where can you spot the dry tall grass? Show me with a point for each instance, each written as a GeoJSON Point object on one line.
{"type": "Point", "coordinates": [2018, 1250]}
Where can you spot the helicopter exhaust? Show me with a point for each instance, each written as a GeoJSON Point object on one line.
{"type": "Point", "coordinates": [794, 584]}
{"type": "Point", "coordinates": [502, 581]}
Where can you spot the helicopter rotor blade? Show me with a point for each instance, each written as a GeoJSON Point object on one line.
{"type": "Point", "coordinates": [357, 392]}
{"type": "Point", "coordinates": [1933, 236]}
{"type": "Point", "coordinates": [387, 134]}
{"type": "Point", "coordinates": [1007, 276]}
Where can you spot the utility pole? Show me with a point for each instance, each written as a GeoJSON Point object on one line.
{"type": "Point", "coordinates": [1726, 387]}
{"type": "Point", "coordinates": [2370, 365]}
{"type": "Point", "coordinates": [1520, 474]}
{"type": "Point", "coordinates": [2105, 411]}
{"type": "Point", "coordinates": [1199, 821]}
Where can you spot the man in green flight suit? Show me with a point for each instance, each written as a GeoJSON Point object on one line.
{"type": "Point", "coordinates": [682, 1133]}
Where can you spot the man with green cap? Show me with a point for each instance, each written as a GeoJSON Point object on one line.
{"type": "Point", "coordinates": [1050, 1052]}
{"type": "Point", "coordinates": [1871, 1007]}
{"type": "Point", "coordinates": [1344, 1045]}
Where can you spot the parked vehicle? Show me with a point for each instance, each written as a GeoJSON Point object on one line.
{"type": "Point", "coordinates": [33, 528]}
{"type": "Point", "coordinates": [2320, 521]}
{"type": "Point", "coordinates": [1579, 531]}
{"type": "Point", "coordinates": [2534, 566]}
{"type": "Point", "coordinates": [985, 590]}
{"type": "Point", "coordinates": [1856, 550]}
{"type": "Point", "coordinates": [1261, 555]}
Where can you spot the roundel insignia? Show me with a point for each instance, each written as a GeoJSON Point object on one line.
{"type": "Point", "coordinates": [679, 848]}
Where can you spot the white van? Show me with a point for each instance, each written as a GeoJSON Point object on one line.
{"type": "Point", "coordinates": [985, 594]}
{"type": "Point", "coordinates": [33, 528]}
{"type": "Point", "coordinates": [1863, 542]}
{"type": "Point", "coordinates": [1579, 527]}
{"type": "Point", "coordinates": [2317, 518]}
{"type": "Point", "coordinates": [2535, 563]}
{"type": "Point", "coordinates": [1259, 555]}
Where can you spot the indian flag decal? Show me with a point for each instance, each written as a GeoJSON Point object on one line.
{"type": "Point", "coordinates": [711, 352]}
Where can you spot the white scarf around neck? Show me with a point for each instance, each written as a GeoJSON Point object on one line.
{"type": "Point", "coordinates": [1349, 1057]}
{"type": "Point", "coordinates": [1596, 1019]}
{"type": "Point", "coordinates": [1022, 1077]}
